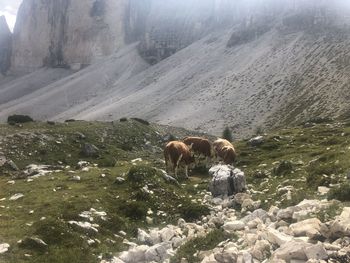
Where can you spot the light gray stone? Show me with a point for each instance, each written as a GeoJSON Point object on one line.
{"type": "Point", "coordinates": [309, 227]}
{"type": "Point", "coordinates": [134, 255]}
{"type": "Point", "coordinates": [159, 252]}
{"type": "Point", "coordinates": [316, 252]}
{"type": "Point", "coordinates": [231, 227]}
{"type": "Point", "coordinates": [226, 180]}
{"type": "Point", "coordinates": [275, 237]}
{"type": "Point", "coordinates": [341, 225]}
{"type": "Point", "coordinates": [292, 250]}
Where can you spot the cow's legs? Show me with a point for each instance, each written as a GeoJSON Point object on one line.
{"type": "Point", "coordinates": [186, 171]}
{"type": "Point", "coordinates": [175, 170]}
{"type": "Point", "coordinates": [177, 165]}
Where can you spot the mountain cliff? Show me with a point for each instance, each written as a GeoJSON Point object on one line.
{"type": "Point", "coordinates": [197, 64]}
{"type": "Point", "coordinates": [5, 46]}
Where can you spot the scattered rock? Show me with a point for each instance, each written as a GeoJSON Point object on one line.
{"type": "Point", "coordinates": [316, 252]}
{"type": "Point", "coordinates": [90, 150]}
{"type": "Point", "coordinates": [159, 252]}
{"type": "Point", "coordinates": [309, 227]}
{"type": "Point", "coordinates": [11, 165]}
{"type": "Point", "coordinates": [292, 250]}
{"type": "Point", "coordinates": [85, 225]}
{"type": "Point", "coordinates": [341, 225]}
{"type": "Point", "coordinates": [134, 255]}
{"type": "Point", "coordinates": [33, 243]}
{"type": "Point", "coordinates": [231, 227]}
{"type": "Point", "coordinates": [16, 197]}
{"type": "Point", "coordinates": [4, 248]}
{"type": "Point", "coordinates": [119, 180]}
{"type": "Point", "coordinates": [256, 141]}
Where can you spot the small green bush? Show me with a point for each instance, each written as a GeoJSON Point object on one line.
{"type": "Point", "coordinates": [123, 119]}
{"type": "Point", "coordinates": [192, 211]}
{"type": "Point", "coordinates": [139, 174]}
{"type": "Point", "coordinates": [227, 134]}
{"type": "Point", "coordinates": [19, 119]}
{"type": "Point", "coordinates": [135, 210]}
{"type": "Point", "coordinates": [341, 193]}
{"type": "Point", "coordinates": [107, 161]}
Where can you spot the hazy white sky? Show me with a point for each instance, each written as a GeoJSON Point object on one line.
{"type": "Point", "coordinates": [9, 9]}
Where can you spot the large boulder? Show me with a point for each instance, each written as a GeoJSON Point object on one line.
{"type": "Point", "coordinates": [226, 180]}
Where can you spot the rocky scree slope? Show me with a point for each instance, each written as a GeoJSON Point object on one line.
{"type": "Point", "coordinates": [261, 66]}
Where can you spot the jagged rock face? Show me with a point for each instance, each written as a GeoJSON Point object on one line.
{"type": "Point", "coordinates": [71, 33]}
{"type": "Point", "coordinates": [5, 46]}
{"type": "Point", "coordinates": [60, 33]}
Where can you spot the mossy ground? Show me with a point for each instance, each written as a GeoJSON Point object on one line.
{"type": "Point", "coordinates": [315, 156]}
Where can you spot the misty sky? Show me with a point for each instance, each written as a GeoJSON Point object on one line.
{"type": "Point", "coordinates": [9, 8]}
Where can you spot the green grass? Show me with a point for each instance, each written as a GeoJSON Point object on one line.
{"type": "Point", "coordinates": [304, 158]}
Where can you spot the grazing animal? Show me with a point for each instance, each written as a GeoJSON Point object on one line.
{"type": "Point", "coordinates": [199, 146]}
{"type": "Point", "coordinates": [225, 150]}
{"type": "Point", "coordinates": [177, 153]}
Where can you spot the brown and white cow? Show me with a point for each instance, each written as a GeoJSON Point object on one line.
{"type": "Point", "coordinates": [200, 146]}
{"type": "Point", "coordinates": [225, 150]}
{"type": "Point", "coordinates": [177, 153]}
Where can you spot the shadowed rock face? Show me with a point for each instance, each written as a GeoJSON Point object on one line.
{"type": "Point", "coordinates": [5, 46]}
{"type": "Point", "coordinates": [72, 33]}
{"type": "Point", "coordinates": [245, 65]}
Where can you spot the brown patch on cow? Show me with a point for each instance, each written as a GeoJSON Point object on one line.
{"type": "Point", "coordinates": [199, 145]}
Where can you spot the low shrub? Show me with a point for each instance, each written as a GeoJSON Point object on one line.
{"type": "Point", "coordinates": [19, 119]}
{"type": "Point", "coordinates": [107, 161]}
{"type": "Point", "coordinates": [341, 193]}
{"type": "Point", "coordinates": [123, 119]}
{"type": "Point", "coordinates": [192, 211]}
{"type": "Point", "coordinates": [135, 210]}
{"type": "Point", "coordinates": [139, 174]}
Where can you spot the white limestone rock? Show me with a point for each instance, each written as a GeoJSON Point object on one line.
{"type": "Point", "coordinates": [341, 225]}
{"type": "Point", "coordinates": [4, 248]}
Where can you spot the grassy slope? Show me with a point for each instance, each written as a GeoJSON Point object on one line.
{"type": "Point", "coordinates": [326, 145]}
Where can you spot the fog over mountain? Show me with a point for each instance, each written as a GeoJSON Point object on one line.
{"type": "Point", "coordinates": [200, 64]}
